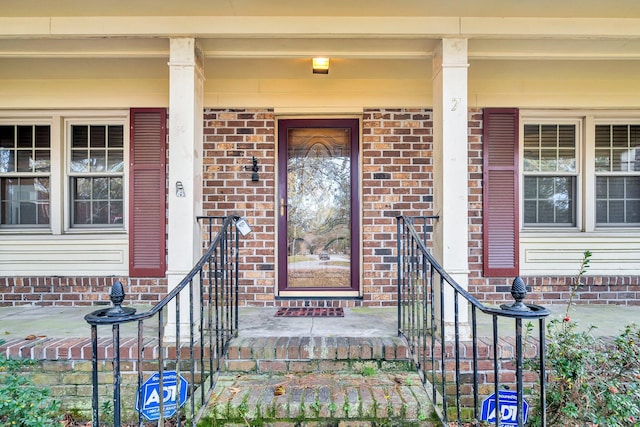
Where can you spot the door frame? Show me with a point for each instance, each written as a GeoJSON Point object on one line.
{"type": "Point", "coordinates": [281, 237]}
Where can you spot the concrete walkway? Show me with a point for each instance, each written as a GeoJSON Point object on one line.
{"type": "Point", "coordinates": [22, 321]}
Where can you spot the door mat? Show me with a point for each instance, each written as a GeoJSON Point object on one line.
{"type": "Point", "coordinates": [310, 312]}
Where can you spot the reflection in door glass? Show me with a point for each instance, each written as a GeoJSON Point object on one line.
{"type": "Point", "coordinates": [319, 208]}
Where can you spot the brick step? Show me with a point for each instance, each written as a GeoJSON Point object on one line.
{"type": "Point", "coordinates": [327, 399]}
{"type": "Point", "coordinates": [313, 354]}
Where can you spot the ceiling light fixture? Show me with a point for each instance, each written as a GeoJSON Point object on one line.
{"type": "Point", "coordinates": [320, 65]}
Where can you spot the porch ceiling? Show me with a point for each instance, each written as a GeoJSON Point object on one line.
{"type": "Point", "coordinates": [354, 30]}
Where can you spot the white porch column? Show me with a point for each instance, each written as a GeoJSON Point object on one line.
{"type": "Point", "coordinates": [451, 167]}
{"type": "Point", "coordinates": [186, 95]}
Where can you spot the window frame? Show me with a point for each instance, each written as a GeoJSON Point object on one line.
{"type": "Point", "coordinates": [599, 121]}
{"type": "Point", "coordinates": [69, 175]}
{"type": "Point", "coordinates": [31, 228]}
{"type": "Point", "coordinates": [585, 166]}
{"type": "Point", "coordinates": [59, 122]}
{"type": "Point", "coordinates": [549, 119]}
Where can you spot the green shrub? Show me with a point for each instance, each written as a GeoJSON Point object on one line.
{"type": "Point", "coordinates": [22, 404]}
{"type": "Point", "coordinates": [591, 381]}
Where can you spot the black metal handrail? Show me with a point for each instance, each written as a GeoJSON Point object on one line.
{"type": "Point", "coordinates": [212, 286]}
{"type": "Point", "coordinates": [426, 293]}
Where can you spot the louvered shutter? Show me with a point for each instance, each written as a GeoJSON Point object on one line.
{"type": "Point", "coordinates": [147, 192]}
{"type": "Point", "coordinates": [500, 193]}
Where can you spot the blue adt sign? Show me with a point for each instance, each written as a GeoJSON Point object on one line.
{"type": "Point", "coordinates": [174, 391]}
{"type": "Point", "coordinates": [508, 402]}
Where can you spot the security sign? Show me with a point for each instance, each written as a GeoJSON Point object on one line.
{"type": "Point", "coordinates": [508, 402]}
{"type": "Point", "coordinates": [174, 390]}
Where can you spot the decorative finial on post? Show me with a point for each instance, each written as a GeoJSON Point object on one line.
{"type": "Point", "coordinates": [117, 297]}
{"type": "Point", "coordinates": [518, 292]}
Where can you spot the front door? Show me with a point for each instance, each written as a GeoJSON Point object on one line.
{"type": "Point", "coordinates": [318, 208]}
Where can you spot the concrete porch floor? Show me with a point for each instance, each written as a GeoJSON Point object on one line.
{"type": "Point", "coordinates": [21, 321]}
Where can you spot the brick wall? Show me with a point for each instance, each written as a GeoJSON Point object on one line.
{"type": "Point", "coordinates": [396, 173]}
{"type": "Point", "coordinates": [77, 291]}
{"type": "Point", "coordinates": [397, 178]}
{"type": "Point", "coordinates": [231, 139]}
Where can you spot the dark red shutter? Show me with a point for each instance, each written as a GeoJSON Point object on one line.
{"type": "Point", "coordinates": [500, 193]}
{"type": "Point", "coordinates": [147, 192]}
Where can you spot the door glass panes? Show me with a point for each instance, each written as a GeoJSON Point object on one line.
{"type": "Point", "coordinates": [319, 208]}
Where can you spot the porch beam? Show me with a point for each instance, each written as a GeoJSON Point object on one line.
{"type": "Point", "coordinates": [320, 26]}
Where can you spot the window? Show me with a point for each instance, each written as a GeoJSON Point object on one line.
{"type": "Point", "coordinates": [550, 174]}
{"type": "Point", "coordinates": [580, 171]}
{"type": "Point", "coordinates": [25, 173]}
{"type": "Point", "coordinates": [63, 173]}
{"type": "Point", "coordinates": [617, 169]}
{"type": "Point", "coordinates": [96, 174]}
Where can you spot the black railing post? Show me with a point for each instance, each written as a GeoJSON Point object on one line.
{"type": "Point", "coordinates": [446, 361]}
{"type": "Point", "coordinates": [156, 352]}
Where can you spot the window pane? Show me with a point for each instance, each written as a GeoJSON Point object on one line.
{"type": "Point", "coordinates": [602, 210]}
{"type": "Point", "coordinates": [115, 188]}
{"type": "Point", "coordinates": [531, 136]}
{"type": "Point", "coordinates": [616, 188]}
{"type": "Point", "coordinates": [98, 138]}
{"type": "Point", "coordinates": [81, 213]}
{"type": "Point", "coordinates": [7, 137]}
{"type": "Point", "coordinates": [42, 162]}
{"type": "Point", "coordinates": [97, 160]}
{"type": "Point", "coordinates": [566, 160]}
{"type": "Point", "coordinates": [551, 198]}
{"type": "Point", "coordinates": [618, 200]}
{"type": "Point", "coordinates": [43, 137]}
{"type": "Point", "coordinates": [548, 160]}
{"type": "Point", "coordinates": [116, 136]}
{"type": "Point", "coordinates": [116, 161]}
{"type": "Point", "coordinates": [100, 188]}
{"type": "Point", "coordinates": [633, 187]}
{"type": "Point", "coordinates": [97, 201]}
{"type": "Point", "coordinates": [566, 136]}
{"type": "Point", "coordinates": [549, 136]}
{"type": "Point", "coordinates": [545, 187]}
{"type": "Point", "coordinates": [530, 212]}
{"type": "Point", "coordinates": [24, 161]}
{"type": "Point", "coordinates": [545, 212]}
{"type": "Point", "coordinates": [25, 201]}
{"type": "Point", "coordinates": [79, 161]}
{"type": "Point", "coordinates": [18, 155]}
{"type": "Point", "coordinates": [603, 160]}
{"type": "Point", "coordinates": [7, 161]}
{"type": "Point", "coordinates": [79, 136]}
{"type": "Point", "coordinates": [82, 188]}
{"type": "Point", "coordinates": [550, 148]}
{"type": "Point", "coordinates": [100, 212]}
{"type": "Point", "coordinates": [616, 211]}
{"type": "Point", "coordinates": [116, 213]}
{"type": "Point", "coordinates": [25, 136]}
{"type": "Point", "coordinates": [620, 136]}
{"type": "Point", "coordinates": [603, 136]}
